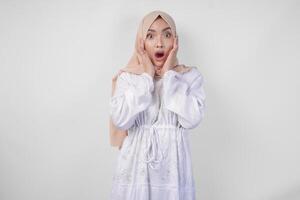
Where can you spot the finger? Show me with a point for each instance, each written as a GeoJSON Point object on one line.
{"type": "Point", "coordinates": [139, 57]}
{"type": "Point", "coordinates": [139, 46]}
{"type": "Point", "coordinates": [148, 60]}
{"type": "Point", "coordinates": [142, 46]}
{"type": "Point", "coordinates": [175, 47]}
{"type": "Point", "coordinates": [138, 42]}
{"type": "Point", "coordinates": [146, 57]}
{"type": "Point", "coordinates": [176, 42]}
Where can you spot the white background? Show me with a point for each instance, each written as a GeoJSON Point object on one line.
{"type": "Point", "coordinates": [57, 59]}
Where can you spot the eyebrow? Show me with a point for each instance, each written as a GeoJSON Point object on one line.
{"type": "Point", "coordinates": [162, 30]}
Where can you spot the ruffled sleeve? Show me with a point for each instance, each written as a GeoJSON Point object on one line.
{"type": "Point", "coordinates": [133, 94]}
{"type": "Point", "coordinates": [184, 95]}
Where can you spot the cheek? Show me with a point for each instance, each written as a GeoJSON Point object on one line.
{"type": "Point", "coordinates": [169, 48]}
{"type": "Point", "coordinates": [169, 44]}
{"type": "Point", "coordinates": [149, 48]}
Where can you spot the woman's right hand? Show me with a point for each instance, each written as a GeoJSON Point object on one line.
{"type": "Point", "coordinates": [144, 59]}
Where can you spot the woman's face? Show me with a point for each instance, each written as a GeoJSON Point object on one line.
{"type": "Point", "coordinates": [159, 42]}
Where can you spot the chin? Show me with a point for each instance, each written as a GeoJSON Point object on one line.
{"type": "Point", "coordinates": [159, 64]}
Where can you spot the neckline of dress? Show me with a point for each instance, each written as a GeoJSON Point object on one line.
{"type": "Point", "coordinates": [157, 78]}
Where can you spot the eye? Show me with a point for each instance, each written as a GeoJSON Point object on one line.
{"type": "Point", "coordinates": [149, 35]}
{"type": "Point", "coordinates": [168, 34]}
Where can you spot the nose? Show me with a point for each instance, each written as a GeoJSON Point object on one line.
{"type": "Point", "coordinates": [159, 43]}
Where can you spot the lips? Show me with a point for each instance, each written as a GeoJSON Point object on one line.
{"type": "Point", "coordinates": [159, 55]}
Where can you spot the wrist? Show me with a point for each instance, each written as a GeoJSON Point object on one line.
{"type": "Point", "coordinates": [165, 71]}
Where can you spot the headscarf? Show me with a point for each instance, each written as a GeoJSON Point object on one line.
{"type": "Point", "coordinates": [116, 135]}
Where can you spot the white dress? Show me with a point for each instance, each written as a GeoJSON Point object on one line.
{"type": "Point", "coordinates": [154, 162]}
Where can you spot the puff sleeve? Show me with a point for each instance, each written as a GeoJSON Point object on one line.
{"type": "Point", "coordinates": [184, 95]}
{"type": "Point", "coordinates": [133, 94]}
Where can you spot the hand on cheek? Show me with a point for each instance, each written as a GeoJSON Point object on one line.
{"type": "Point", "coordinates": [144, 58]}
{"type": "Point", "coordinates": [171, 57]}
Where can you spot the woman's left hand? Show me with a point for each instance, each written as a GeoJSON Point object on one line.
{"type": "Point", "coordinates": [171, 57]}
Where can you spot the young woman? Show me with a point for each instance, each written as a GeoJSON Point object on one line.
{"type": "Point", "coordinates": [154, 102]}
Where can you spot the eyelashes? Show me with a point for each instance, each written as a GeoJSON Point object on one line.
{"type": "Point", "coordinates": [149, 35]}
{"type": "Point", "coordinates": [167, 35]}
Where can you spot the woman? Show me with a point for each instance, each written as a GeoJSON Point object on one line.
{"type": "Point", "coordinates": [155, 101]}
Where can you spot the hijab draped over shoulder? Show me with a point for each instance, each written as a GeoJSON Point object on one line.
{"type": "Point", "coordinates": [134, 66]}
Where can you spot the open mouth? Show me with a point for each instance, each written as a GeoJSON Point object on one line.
{"type": "Point", "coordinates": [159, 55]}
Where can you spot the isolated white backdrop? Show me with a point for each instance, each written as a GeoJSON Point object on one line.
{"type": "Point", "coordinates": [56, 63]}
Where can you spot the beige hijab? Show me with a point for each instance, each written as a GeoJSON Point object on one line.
{"type": "Point", "coordinates": [117, 136]}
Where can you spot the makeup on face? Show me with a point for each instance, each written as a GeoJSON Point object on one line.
{"type": "Point", "coordinates": [159, 41]}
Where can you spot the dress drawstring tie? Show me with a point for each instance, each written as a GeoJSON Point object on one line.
{"type": "Point", "coordinates": [153, 153]}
